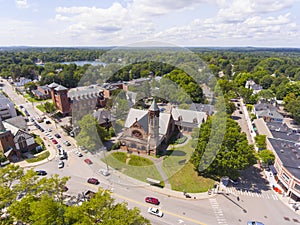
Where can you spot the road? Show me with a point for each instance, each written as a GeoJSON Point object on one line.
{"type": "Point", "coordinates": [255, 202]}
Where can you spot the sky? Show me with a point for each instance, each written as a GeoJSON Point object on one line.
{"type": "Point", "coordinates": [220, 23]}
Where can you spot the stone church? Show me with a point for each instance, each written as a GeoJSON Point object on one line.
{"type": "Point", "coordinates": [146, 130]}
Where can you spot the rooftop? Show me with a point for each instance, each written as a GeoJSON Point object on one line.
{"type": "Point", "coordinates": [85, 91]}
{"type": "Point", "coordinates": [289, 154]}
{"type": "Point", "coordinates": [281, 131]}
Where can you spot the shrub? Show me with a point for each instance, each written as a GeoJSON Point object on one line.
{"type": "Point", "coordinates": [115, 146]}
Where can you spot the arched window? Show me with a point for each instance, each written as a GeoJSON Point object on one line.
{"type": "Point", "coordinates": [137, 134]}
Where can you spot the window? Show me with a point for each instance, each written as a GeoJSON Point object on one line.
{"type": "Point", "coordinates": [297, 187]}
{"type": "Point", "coordinates": [137, 134]}
{"type": "Point", "coordinates": [285, 177]}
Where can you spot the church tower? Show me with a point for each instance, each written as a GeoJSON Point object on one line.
{"type": "Point", "coordinates": [153, 127]}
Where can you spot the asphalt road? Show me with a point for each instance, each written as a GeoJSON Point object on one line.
{"type": "Point", "coordinates": [222, 209]}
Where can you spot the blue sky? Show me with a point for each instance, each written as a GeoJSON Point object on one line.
{"type": "Point", "coordinates": [260, 23]}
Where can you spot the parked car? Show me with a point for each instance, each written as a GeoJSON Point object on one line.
{"type": "Point", "coordinates": [155, 211]}
{"type": "Point", "coordinates": [63, 156]}
{"type": "Point", "coordinates": [49, 130]}
{"type": "Point", "coordinates": [93, 181]}
{"type": "Point", "coordinates": [41, 172]}
{"type": "Point", "coordinates": [254, 223]}
{"type": "Point", "coordinates": [152, 200]}
{"type": "Point", "coordinates": [104, 172]}
{"type": "Point", "coordinates": [78, 153]}
{"type": "Point", "coordinates": [67, 143]}
{"type": "Point", "coordinates": [54, 141]}
{"type": "Point", "coordinates": [48, 122]}
{"type": "Point", "coordinates": [57, 135]}
{"type": "Point", "coordinates": [61, 164]}
{"type": "Point", "coordinates": [88, 161]}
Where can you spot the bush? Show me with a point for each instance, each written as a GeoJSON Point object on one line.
{"type": "Point", "coordinates": [181, 140]}
{"type": "Point", "coordinates": [139, 161]}
{"type": "Point", "coordinates": [115, 146]}
{"type": "Point", "coordinates": [121, 156]}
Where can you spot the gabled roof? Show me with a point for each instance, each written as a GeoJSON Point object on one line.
{"type": "Point", "coordinates": [53, 85]}
{"type": "Point", "coordinates": [141, 117]}
{"type": "Point", "coordinates": [269, 113]}
{"type": "Point", "coordinates": [60, 88]}
{"type": "Point", "coordinates": [18, 122]}
{"type": "Point", "coordinates": [188, 116]}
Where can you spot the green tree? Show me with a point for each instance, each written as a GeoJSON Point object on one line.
{"type": "Point", "coordinates": [91, 133]}
{"type": "Point", "coordinates": [49, 107]}
{"type": "Point", "coordinates": [266, 156]}
{"type": "Point", "coordinates": [235, 153]}
{"type": "Point", "coordinates": [260, 141]}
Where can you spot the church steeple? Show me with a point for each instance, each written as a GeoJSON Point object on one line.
{"type": "Point", "coordinates": [154, 106]}
{"type": "Point", "coordinates": [153, 126]}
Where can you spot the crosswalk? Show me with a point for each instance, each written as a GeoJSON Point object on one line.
{"type": "Point", "coordinates": [250, 193]}
{"type": "Point", "coordinates": [218, 211]}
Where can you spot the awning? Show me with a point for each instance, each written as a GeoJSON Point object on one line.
{"type": "Point", "coordinates": [272, 168]}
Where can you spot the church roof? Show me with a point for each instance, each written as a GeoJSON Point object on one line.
{"type": "Point", "coordinates": [154, 106]}
{"type": "Point", "coordinates": [141, 116]}
{"type": "Point", "coordinates": [188, 116]}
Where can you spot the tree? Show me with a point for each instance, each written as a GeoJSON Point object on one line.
{"type": "Point", "coordinates": [91, 133]}
{"type": "Point", "coordinates": [266, 156]}
{"type": "Point", "coordinates": [38, 202]}
{"type": "Point", "coordinates": [49, 107]}
{"type": "Point", "coordinates": [30, 86]}
{"type": "Point", "coordinates": [235, 153]}
{"type": "Point", "coordinates": [260, 141]}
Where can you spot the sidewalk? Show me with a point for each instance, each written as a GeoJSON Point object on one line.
{"type": "Point", "coordinates": [282, 197]}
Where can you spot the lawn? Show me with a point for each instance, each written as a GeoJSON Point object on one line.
{"type": "Point", "coordinates": [177, 158]}
{"type": "Point", "coordinates": [41, 108]}
{"type": "Point", "coordinates": [29, 98]}
{"type": "Point", "coordinates": [38, 157]}
{"type": "Point", "coordinates": [181, 173]}
{"type": "Point", "coordinates": [138, 167]}
{"type": "Point", "coordinates": [187, 180]}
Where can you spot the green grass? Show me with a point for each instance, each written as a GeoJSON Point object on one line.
{"type": "Point", "coordinates": [29, 98]}
{"type": "Point", "coordinates": [181, 173]}
{"type": "Point", "coordinates": [39, 157]}
{"type": "Point", "coordinates": [187, 180]}
{"type": "Point", "coordinates": [41, 108]}
{"type": "Point", "coordinates": [177, 158]}
{"type": "Point", "coordinates": [138, 167]}
{"type": "Point", "coordinates": [139, 161]}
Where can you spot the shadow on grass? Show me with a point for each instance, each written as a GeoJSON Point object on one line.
{"type": "Point", "coordinates": [176, 153]}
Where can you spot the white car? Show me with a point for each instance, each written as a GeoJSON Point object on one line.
{"type": "Point", "coordinates": [104, 172]}
{"type": "Point", "coordinates": [78, 153]}
{"type": "Point", "coordinates": [61, 164]}
{"type": "Point", "coordinates": [155, 211]}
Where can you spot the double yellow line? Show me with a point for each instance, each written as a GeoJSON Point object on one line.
{"type": "Point", "coordinates": [165, 212]}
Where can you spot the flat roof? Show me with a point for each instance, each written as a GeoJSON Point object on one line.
{"type": "Point", "coordinates": [289, 154]}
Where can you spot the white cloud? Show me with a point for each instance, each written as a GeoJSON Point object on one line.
{"type": "Point", "coordinates": [22, 4]}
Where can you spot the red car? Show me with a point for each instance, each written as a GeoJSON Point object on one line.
{"type": "Point", "coordinates": [88, 161]}
{"type": "Point", "coordinates": [152, 200]}
{"type": "Point", "coordinates": [93, 181]}
{"type": "Point", "coordinates": [54, 141]}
